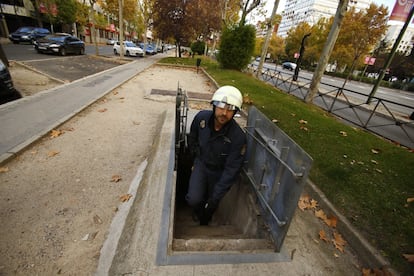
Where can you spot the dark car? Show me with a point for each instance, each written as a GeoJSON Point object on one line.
{"type": "Point", "coordinates": [60, 43]}
{"type": "Point", "coordinates": [28, 34]}
{"type": "Point", "coordinates": [7, 91]}
{"type": "Point", "coordinates": [149, 48]}
{"type": "Point", "coordinates": [289, 65]}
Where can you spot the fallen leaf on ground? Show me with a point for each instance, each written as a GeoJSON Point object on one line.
{"type": "Point", "coordinates": [409, 257]}
{"type": "Point", "coordinates": [376, 272]}
{"type": "Point", "coordinates": [115, 93]}
{"type": "Point", "coordinates": [55, 133]}
{"type": "Point", "coordinates": [304, 202]}
{"type": "Point", "coordinates": [322, 236]}
{"type": "Point", "coordinates": [302, 121]}
{"type": "Point", "coordinates": [375, 151]}
{"type": "Point", "coordinates": [275, 121]}
{"type": "Point", "coordinates": [320, 214]}
{"type": "Point", "coordinates": [52, 153]}
{"type": "Point", "coordinates": [4, 169]}
{"type": "Point", "coordinates": [97, 219]}
{"type": "Point", "coordinates": [136, 123]}
{"type": "Point", "coordinates": [116, 178]}
{"type": "Point", "coordinates": [343, 133]}
{"type": "Point", "coordinates": [313, 204]}
{"type": "Point", "coordinates": [102, 110]}
{"type": "Point", "coordinates": [331, 221]}
{"type": "Point", "coordinates": [338, 241]}
{"type": "Point", "coordinates": [374, 161]}
{"type": "Point", "coordinates": [410, 199]}
{"type": "Point", "coordinates": [125, 197]}
{"type": "Point", "coordinates": [304, 128]}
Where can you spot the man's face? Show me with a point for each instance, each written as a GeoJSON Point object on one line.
{"type": "Point", "coordinates": [222, 115]}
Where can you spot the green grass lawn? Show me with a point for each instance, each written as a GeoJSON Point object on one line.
{"type": "Point", "coordinates": [367, 178]}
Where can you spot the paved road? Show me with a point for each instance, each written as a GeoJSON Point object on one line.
{"type": "Point", "coordinates": [390, 119]}
{"type": "Point", "coordinates": [24, 121]}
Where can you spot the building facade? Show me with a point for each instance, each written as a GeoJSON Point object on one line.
{"type": "Point", "coordinates": [310, 11]}
{"type": "Point", "coordinates": [407, 41]}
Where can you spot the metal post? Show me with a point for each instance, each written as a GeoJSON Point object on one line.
{"type": "Point", "coordinates": [299, 60]}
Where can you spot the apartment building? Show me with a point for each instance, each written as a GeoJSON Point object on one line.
{"type": "Point", "coordinates": [310, 11]}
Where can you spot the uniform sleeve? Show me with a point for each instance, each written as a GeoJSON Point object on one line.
{"type": "Point", "coordinates": [232, 167]}
{"type": "Point", "coordinates": [193, 137]}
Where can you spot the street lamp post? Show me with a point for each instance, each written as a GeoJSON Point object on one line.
{"type": "Point", "coordinates": [301, 51]}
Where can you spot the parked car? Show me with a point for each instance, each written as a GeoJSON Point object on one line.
{"type": "Point", "coordinates": [110, 41]}
{"type": "Point", "coordinates": [7, 91]}
{"type": "Point", "coordinates": [60, 43]}
{"type": "Point", "coordinates": [148, 48]}
{"type": "Point", "coordinates": [289, 65]}
{"type": "Point", "coordinates": [28, 34]}
{"type": "Point", "coordinates": [130, 49]}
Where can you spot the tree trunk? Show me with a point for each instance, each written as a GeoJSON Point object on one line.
{"type": "Point", "coordinates": [327, 50]}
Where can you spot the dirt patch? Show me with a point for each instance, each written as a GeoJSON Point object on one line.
{"type": "Point", "coordinates": [28, 81]}
{"type": "Point", "coordinates": [31, 77]}
{"type": "Point", "coordinates": [58, 197]}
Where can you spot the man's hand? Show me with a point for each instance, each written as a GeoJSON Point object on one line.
{"type": "Point", "coordinates": [209, 209]}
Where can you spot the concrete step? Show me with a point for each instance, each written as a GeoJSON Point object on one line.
{"type": "Point", "coordinates": [228, 245]}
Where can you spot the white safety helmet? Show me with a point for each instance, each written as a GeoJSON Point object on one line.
{"type": "Point", "coordinates": [228, 95]}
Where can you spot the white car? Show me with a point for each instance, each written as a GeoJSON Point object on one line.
{"type": "Point", "coordinates": [130, 49]}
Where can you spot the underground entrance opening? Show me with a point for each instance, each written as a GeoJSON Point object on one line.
{"type": "Point", "coordinates": [253, 218]}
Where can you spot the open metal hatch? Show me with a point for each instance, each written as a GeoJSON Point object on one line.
{"type": "Point", "coordinates": [253, 218]}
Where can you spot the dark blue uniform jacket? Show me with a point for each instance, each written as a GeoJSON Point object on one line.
{"type": "Point", "coordinates": [220, 151]}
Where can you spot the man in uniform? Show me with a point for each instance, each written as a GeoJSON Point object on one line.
{"type": "Point", "coordinates": [218, 145]}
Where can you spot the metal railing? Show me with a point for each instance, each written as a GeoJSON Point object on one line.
{"type": "Point", "coordinates": [380, 116]}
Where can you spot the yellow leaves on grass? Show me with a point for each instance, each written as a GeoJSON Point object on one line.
{"type": "Point", "coordinates": [247, 99]}
{"type": "Point", "coordinates": [303, 122]}
{"type": "Point", "coordinates": [343, 133]}
{"type": "Point", "coordinates": [375, 151]}
{"type": "Point", "coordinates": [307, 203]}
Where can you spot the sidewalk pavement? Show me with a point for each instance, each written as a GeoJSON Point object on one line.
{"type": "Point", "coordinates": [133, 248]}
{"type": "Point", "coordinates": [26, 120]}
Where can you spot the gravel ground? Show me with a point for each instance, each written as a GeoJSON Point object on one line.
{"type": "Point", "coordinates": [58, 197]}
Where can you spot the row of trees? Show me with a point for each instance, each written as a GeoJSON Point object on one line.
{"type": "Point", "coordinates": [186, 21]}
{"type": "Point", "coordinates": [361, 35]}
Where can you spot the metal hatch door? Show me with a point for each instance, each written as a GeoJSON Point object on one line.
{"type": "Point", "coordinates": [277, 169]}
